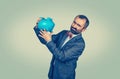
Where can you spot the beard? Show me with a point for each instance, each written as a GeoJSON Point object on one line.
{"type": "Point", "coordinates": [74, 30]}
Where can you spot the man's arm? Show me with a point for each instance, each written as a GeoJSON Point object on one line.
{"type": "Point", "coordinates": [72, 52]}
{"type": "Point", "coordinates": [42, 40]}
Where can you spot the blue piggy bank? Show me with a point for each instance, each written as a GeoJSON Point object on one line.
{"type": "Point", "coordinates": [46, 24]}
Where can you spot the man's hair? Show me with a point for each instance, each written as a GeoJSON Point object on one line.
{"type": "Point", "coordinates": [84, 17]}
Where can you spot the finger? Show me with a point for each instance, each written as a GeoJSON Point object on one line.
{"type": "Point", "coordinates": [40, 35]}
{"type": "Point", "coordinates": [44, 31]}
{"type": "Point", "coordinates": [51, 33]}
{"type": "Point", "coordinates": [41, 32]}
{"type": "Point", "coordinates": [38, 21]}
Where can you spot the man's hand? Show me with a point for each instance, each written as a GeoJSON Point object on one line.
{"type": "Point", "coordinates": [45, 35]}
{"type": "Point", "coordinates": [38, 20]}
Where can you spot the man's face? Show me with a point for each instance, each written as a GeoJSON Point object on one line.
{"type": "Point", "coordinates": [77, 25]}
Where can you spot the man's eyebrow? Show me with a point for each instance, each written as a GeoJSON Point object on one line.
{"type": "Point", "coordinates": [77, 23]}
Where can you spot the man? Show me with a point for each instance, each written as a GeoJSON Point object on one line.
{"type": "Point", "coordinates": [65, 47]}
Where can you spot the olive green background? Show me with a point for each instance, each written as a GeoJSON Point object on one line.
{"type": "Point", "coordinates": [22, 56]}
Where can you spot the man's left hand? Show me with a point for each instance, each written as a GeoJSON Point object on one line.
{"type": "Point", "coordinates": [45, 35]}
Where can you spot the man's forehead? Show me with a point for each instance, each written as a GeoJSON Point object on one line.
{"type": "Point", "coordinates": [80, 21]}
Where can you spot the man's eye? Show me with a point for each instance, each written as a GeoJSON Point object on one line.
{"type": "Point", "coordinates": [79, 25]}
{"type": "Point", "coordinates": [74, 22]}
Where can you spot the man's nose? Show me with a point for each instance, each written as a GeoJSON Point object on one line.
{"type": "Point", "coordinates": [74, 25]}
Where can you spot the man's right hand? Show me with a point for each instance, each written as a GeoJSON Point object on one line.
{"type": "Point", "coordinates": [37, 22]}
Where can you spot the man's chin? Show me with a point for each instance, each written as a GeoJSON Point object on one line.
{"type": "Point", "coordinates": [74, 31]}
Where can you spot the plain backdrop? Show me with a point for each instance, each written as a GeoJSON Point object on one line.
{"type": "Point", "coordinates": [22, 56]}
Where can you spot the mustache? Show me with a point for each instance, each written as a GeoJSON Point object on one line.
{"type": "Point", "coordinates": [73, 28]}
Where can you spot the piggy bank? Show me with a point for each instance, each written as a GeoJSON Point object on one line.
{"type": "Point", "coordinates": [46, 24]}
